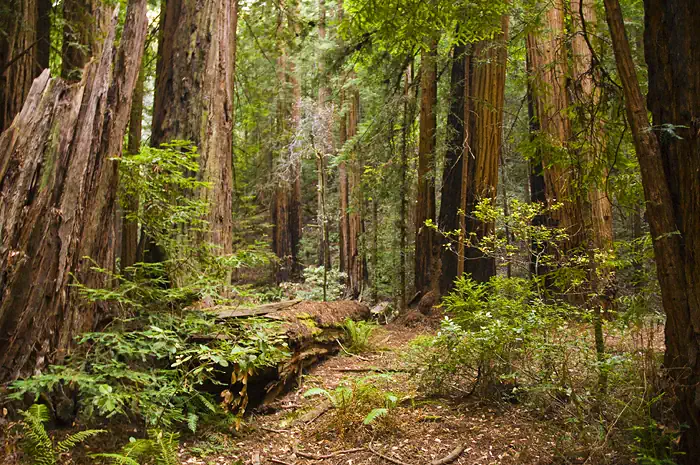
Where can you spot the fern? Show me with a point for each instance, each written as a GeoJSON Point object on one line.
{"type": "Point", "coordinates": [160, 446]}
{"type": "Point", "coordinates": [74, 439]}
{"type": "Point", "coordinates": [37, 443]}
{"type": "Point", "coordinates": [117, 459]}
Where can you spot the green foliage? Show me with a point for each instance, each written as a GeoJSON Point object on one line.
{"type": "Point", "coordinates": [152, 368]}
{"type": "Point", "coordinates": [37, 444]}
{"type": "Point", "coordinates": [357, 334]}
{"type": "Point", "coordinates": [358, 402]}
{"type": "Point", "coordinates": [160, 448]}
{"type": "Point", "coordinates": [312, 287]}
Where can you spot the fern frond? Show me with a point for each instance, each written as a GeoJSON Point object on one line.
{"type": "Point", "coordinates": [74, 439]}
{"type": "Point", "coordinates": [192, 420]}
{"type": "Point", "coordinates": [166, 446]}
{"type": "Point", "coordinates": [37, 443]}
{"type": "Point", "coordinates": [116, 459]}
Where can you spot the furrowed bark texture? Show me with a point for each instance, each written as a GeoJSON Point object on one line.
{"type": "Point", "coordinates": [670, 167]}
{"type": "Point", "coordinates": [194, 101]}
{"type": "Point", "coordinates": [425, 206]}
{"type": "Point", "coordinates": [547, 57]}
{"type": "Point", "coordinates": [449, 219]}
{"type": "Point", "coordinates": [58, 198]}
{"type": "Point", "coordinates": [24, 41]}
{"type": "Point", "coordinates": [600, 217]}
{"type": "Point", "coordinates": [130, 229]}
{"type": "Point", "coordinates": [484, 143]}
{"type": "Point", "coordinates": [84, 29]}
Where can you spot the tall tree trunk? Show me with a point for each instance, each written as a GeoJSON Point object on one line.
{"type": "Point", "coordinates": [449, 219]}
{"type": "Point", "coordinates": [597, 208]}
{"type": "Point", "coordinates": [406, 125]}
{"type": "Point", "coordinates": [286, 209]}
{"type": "Point", "coordinates": [326, 136]}
{"type": "Point", "coordinates": [669, 166]}
{"type": "Point", "coordinates": [59, 195]}
{"type": "Point", "coordinates": [130, 227]}
{"type": "Point", "coordinates": [425, 206]}
{"type": "Point", "coordinates": [24, 46]}
{"type": "Point", "coordinates": [196, 66]}
{"type": "Point", "coordinates": [356, 257]}
{"type": "Point", "coordinates": [84, 29]}
{"type": "Point", "coordinates": [547, 55]}
{"type": "Point", "coordinates": [487, 90]}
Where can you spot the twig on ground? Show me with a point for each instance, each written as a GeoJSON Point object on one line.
{"type": "Point", "coordinates": [364, 359]}
{"type": "Point", "coordinates": [362, 370]}
{"type": "Point", "coordinates": [273, 430]}
{"type": "Point", "coordinates": [451, 457]}
{"type": "Point", "coordinates": [314, 414]}
{"type": "Point", "coordinates": [385, 457]}
{"type": "Point", "coordinates": [307, 455]}
{"type": "Point", "coordinates": [281, 462]}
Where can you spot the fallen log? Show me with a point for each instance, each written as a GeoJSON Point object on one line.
{"type": "Point", "coordinates": [311, 330]}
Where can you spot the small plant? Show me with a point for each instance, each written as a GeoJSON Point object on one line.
{"type": "Point", "coordinates": [38, 445]}
{"type": "Point", "coordinates": [358, 335]}
{"type": "Point", "coordinates": [361, 402]}
{"type": "Point", "coordinates": [160, 447]}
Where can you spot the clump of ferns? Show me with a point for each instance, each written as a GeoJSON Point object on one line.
{"type": "Point", "coordinates": [160, 448]}
{"type": "Point", "coordinates": [36, 443]}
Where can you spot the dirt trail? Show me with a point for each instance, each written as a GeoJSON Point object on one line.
{"type": "Point", "coordinates": [298, 430]}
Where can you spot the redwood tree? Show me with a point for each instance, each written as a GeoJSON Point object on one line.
{"type": "Point", "coordinates": [196, 65]}
{"type": "Point", "coordinates": [669, 161]}
{"type": "Point", "coordinates": [58, 192]}
{"type": "Point", "coordinates": [425, 205]}
{"type": "Point", "coordinates": [487, 79]}
{"type": "Point", "coordinates": [24, 52]}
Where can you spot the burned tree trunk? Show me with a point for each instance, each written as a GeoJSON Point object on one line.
{"type": "Point", "coordinates": [57, 192]}
{"type": "Point", "coordinates": [194, 101]}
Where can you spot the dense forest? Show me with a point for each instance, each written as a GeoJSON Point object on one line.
{"type": "Point", "coordinates": [350, 231]}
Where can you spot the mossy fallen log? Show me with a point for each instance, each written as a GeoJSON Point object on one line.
{"type": "Point", "coordinates": [311, 330]}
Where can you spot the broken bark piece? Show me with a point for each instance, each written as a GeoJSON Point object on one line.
{"type": "Point", "coordinates": [451, 457]}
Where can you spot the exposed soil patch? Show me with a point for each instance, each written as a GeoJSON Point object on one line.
{"type": "Point", "coordinates": [306, 430]}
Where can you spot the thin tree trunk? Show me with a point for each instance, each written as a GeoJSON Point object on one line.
{"type": "Point", "coordinates": [487, 86]}
{"type": "Point", "coordinates": [58, 187]}
{"type": "Point", "coordinates": [669, 167]}
{"type": "Point", "coordinates": [403, 200]}
{"type": "Point", "coordinates": [356, 257]}
{"type": "Point", "coordinates": [425, 206]}
{"type": "Point", "coordinates": [324, 118]}
{"type": "Point", "coordinates": [197, 67]}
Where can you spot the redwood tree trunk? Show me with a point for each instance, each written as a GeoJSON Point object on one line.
{"type": "Point", "coordinates": [425, 206]}
{"type": "Point", "coordinates": [487, 90]}
{"type": "Point", "coordinates": [84, 28]}
{"type": "Point", "coordinates": [58, 190]}
{"type": "Point", "coordinates": [669, 166]}
{"type": "Point", "coordinates": [24, 42]}
{"type": "Point", "coordinates": [194, 101]}
{"type": "Point", "coordinates": [450, 204]}
{"type": "Point", "coordinates": [547, 57]}
{"type": "Point", "coordinates": [356, 256]}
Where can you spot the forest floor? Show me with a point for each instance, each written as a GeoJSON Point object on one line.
{"type": "Point", "coordinates": [300, 430]}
